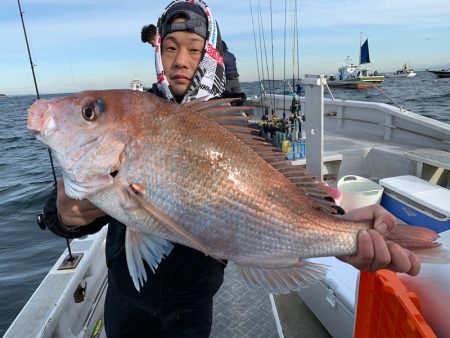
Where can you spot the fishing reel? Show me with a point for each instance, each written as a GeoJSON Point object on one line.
{"type": "Point", "coordinates": [296, 106]}
{"type": "Point", "coordinates": [40, 220]}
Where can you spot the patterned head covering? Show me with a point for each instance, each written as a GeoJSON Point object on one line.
{"type": "Point", "coordinates": [209, 79]}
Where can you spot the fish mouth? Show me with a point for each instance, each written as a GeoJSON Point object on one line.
{"type": "Point", "coordinates": [39, 123]}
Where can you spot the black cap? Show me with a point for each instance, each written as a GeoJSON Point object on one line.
{"type": "Point", "coordinates": [196, 21]}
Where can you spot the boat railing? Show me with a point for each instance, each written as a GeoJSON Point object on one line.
{"type": "Point", "coordinates": [55, 308]}
{"type": "Point", "coordinates": [329, 91]}
{"type": "Point", "coordinates": [379, 120]}
{"type": "Point", "coordinates": [387, 96]}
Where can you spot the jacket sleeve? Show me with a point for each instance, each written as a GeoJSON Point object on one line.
{"type": "Point", "coordinates": [53, 223]}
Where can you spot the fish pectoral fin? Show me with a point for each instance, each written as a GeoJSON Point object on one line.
{"type": "Point", "coordinates": [284, 279]}
{"type": "Point", "coordinates": [140, 246]}
{"type": "Point", "coordinates": [166, 220]}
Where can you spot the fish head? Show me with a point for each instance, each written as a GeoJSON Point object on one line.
{"type": "Point", "coordinates": [87, 132]}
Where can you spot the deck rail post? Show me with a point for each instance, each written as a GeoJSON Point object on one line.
{"type": "Point", "coordinates": [314, 121]}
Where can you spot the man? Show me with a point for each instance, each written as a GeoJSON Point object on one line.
{"type": "Point", "coordinates": [148, 35]}
{"type": "Point", "coordinates": [232, 86]}
{"type": "Point", "coordinates": [176, 300]}
{"type": "Point", "coordinates": [231, 72]}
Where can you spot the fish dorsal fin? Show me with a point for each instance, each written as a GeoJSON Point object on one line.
{"type": "Point", "coordinates": [194, 101]}
{"type": "Point", "coordinates": [297, 174]}
{"type": "Point", "coordinates": [199, 103]}
{"type": "Point", "coordinates": [284, 279]}
{"type": "Point", "coordinates": [173, 226]}
{"type": "Point", "coordinates": [235, 122]}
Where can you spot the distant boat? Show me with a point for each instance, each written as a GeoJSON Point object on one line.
{"type": "Point", "coordinates": [406, 71]}
{"type": "Point", "coordinates": [137, 84]}
{"type": "Point", "coordinates": [441, 72]}
{"type": "Point", "coordinates": [2, 95]}
{"type": "Point", "coordinates": [356, 76]}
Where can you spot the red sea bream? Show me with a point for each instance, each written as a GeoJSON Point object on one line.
{"type": "Point", "coordinates": [183, 174]}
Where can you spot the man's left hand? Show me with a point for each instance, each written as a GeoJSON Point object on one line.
{"type": "Point", "coordinates": [374, 252]}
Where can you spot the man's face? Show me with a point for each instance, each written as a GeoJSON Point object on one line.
{"type": "Point", "coordinates": [181, 53]}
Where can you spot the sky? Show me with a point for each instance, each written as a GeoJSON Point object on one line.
{"type": "Point", "coordinates": [86, 44]}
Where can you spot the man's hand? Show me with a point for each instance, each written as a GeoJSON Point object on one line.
{"type": "Point", "coordinates": [75, 212]}
{"type": "Point", "coordinates": [376, 253]}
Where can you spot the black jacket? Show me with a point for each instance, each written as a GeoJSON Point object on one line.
{"type": "Point", "coordinates": [231, 71]}
{"type": "Point", "coordinates": [182, 279]}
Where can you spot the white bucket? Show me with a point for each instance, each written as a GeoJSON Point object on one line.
{"type": "Point", "coordinates": [358, 192]}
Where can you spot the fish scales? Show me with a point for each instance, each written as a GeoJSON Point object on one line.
{"type": "Point", "coordinates": [184, 178]}
{"type": "Point", "coordinates": [231, 167]}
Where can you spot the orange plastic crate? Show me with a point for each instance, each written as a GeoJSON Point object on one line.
{"type": "Point", "coordinates": [386, 308]}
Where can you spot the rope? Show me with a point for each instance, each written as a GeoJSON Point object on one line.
{"type": "Point", "coordinates": [265, 47]}
{"type": "Point", "coordinates": [273, 64]}
{"type": "Point", "coordinates": [260, 48]}
{"type": "Point", "coordinates": [296, 32]}
{"type": "Point", "coordinates": [256, 52]}
{"type": "Point", "coordinates": [284, 54]}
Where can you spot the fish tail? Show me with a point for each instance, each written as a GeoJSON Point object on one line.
{"type": "Point", "coordinates": [437, 255]}
{"type": "Point", "coordinates": [413, 237]}
{"type": "Point", "coordinates": [421, 241]}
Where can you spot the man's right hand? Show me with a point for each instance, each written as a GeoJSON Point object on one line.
{"type": "Point", "coordinates": [75, 212]}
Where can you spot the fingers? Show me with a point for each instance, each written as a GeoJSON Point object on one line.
{"type": "Point", "coordinates": [74, 212]}
{"type": "Point", "coordinates": [383, 221]}
{"type": "Point", "coordinates": [403, 260]}
{"type": "Point", "coordinates": [382, 255]}
{"type": "Point", "coordinates": [375, 253]}
{"type": "Point", "coordinates": [366, 252]}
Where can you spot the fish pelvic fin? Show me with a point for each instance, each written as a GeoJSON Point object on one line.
{"type": "Point", "coordinates": [284, 279]}
{"type": "Point", "coordinates": [173, 226]}
{"type": "Point", "coordinates": [139, 247]}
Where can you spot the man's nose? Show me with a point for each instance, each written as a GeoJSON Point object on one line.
{"type": "Point", "coordinates": [182, 58]}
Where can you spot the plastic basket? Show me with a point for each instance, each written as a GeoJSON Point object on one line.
{"type": "Point", "coordinates": [358, 192]}
{"type": "Point", "coordinates": [386, 308]}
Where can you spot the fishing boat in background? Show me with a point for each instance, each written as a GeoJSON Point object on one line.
{"type": "Point", "coordinates": [356, 76]}
{"type": "Point", "coordinates": [137, 84]}
{"type": "Point", "coordinates": [441, 72]}
{"type": "Point", "coordinates": [405, 71]}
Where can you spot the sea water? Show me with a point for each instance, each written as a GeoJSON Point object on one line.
{"type": "Point", "coordinates": [27, 252]}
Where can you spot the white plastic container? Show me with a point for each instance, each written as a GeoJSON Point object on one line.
{"type": "Point", "coordinates": [358, 192]}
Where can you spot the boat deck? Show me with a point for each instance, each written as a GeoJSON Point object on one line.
{"type": "Point", "coordinates": [249, 313]}
{"type": "Point", "coordinates": [240, 311]}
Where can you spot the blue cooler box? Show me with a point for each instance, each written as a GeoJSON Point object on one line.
{"type": "Point", "coordinates": [417, 202]}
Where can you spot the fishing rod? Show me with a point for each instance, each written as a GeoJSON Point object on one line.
{"type": "Point", "coordinates": [35, 82]}
{"type": "Point", "coordinates": [40, 217]}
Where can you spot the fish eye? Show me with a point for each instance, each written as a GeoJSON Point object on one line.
{"type": "Point", "coordinates": [89, 113]}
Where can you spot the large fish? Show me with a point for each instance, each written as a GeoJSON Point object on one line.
{"type": "Point", "coordinates": [187, 174]}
